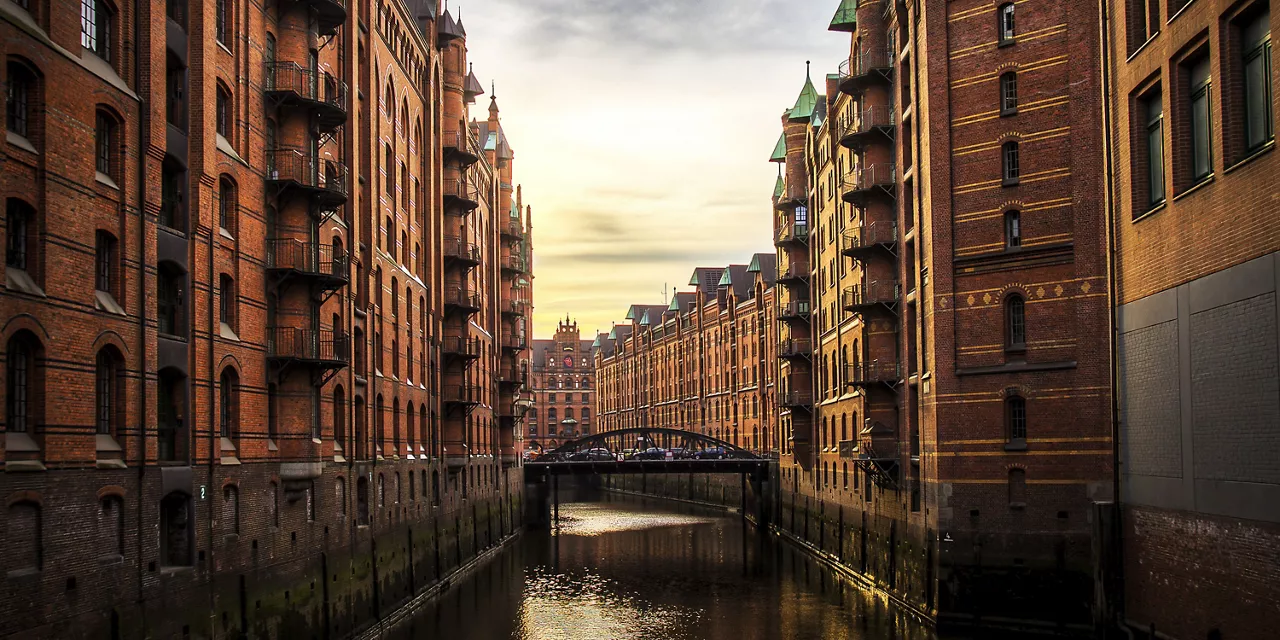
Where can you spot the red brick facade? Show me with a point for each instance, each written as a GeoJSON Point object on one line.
{"type": "Point", "coordinates": [265, 285]}
{"type": "Point", "coordinates": [562, 390]}
{"type": "Point", "coordinates": [703, 363]}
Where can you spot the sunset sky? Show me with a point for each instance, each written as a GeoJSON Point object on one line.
{"type": "Point", "coordinates": [642, 133]}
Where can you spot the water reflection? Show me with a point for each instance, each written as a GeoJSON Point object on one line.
{"type": "Point", "coordinates": [623, 569]}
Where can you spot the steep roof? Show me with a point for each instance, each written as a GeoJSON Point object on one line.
{"type": "Point", "coordinates": [780, 149]}
{"type": "Point", "coordinates": [706, 279]}
{"type": "Point", "coordinates": [765, 264]}
{"type": "Point", "coordinates": [735, 276]}
{"type": "Point", "coordinates": [805, 102]}
{"type": "Point", "coordinates": [681, 301]}
{"type": "Point", "coordinates": [846, 17]}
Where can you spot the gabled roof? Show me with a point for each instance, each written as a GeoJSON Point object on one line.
{"type": "Point", "coordinates": [805, 102]}
{"type": "Point", "coordinates": [765, 264]}
{"type": "Point", "coordinates": [706, 279]}
{"type": "Point", "coordinates": [448, 29]}
{"type": "Point", "coordinates": [780, 149]}
{"type": "Point", "coordinates": [846, 17]}
{"type": "Point", "coordinates": [735, 277]}
{"type": "Point", "coordinates": [681, 301]}
{"type": "Point", "coordinates": [651, 314]}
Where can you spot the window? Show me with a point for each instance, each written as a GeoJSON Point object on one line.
{"type": "Point", "coordinates": [1153, 112]}
{"type": "Point", "coordinates": [389, 169]}
{"type": "Point", "coordinates": [222, 116]}
{"type": "Point", "coordinates": [227, 300]}
{"type": "Point", "coordinates": [19, 99]}
{"type": "Point", "coordinates": [1016, 416]}
{"type": "Point", "coordinates": [170, 404]}
{"type": "Point", "coordinates": [176, 10]}
{"type": "Point", "coordinates": [1015, 322]}
{"type": "Point", "coordinates": [1256, 86]}
{"type": "Point", "coordinates": [1006, 25]}
{"type": "Point", "coordinates": [173, 213]}
{"type": "Point", "coordinates": [222, 19]}
{"type": "Point", "coordinates": [20, 383]}
{"type": "Point", "coordinates": [175, 79]}
{"type": "Point", "coordinates": [228, 405]}
{"type": "Point", "coordinates": [176, 530]}
{"type": "Point", "coordinates": [1143, 18]}
{"type": "Point", "coordinates": [1012, 230]}
{"type": "Point", "coordinates": [1009, 163]}
{"type": "Point", "coordinates": [104, 143]}
{"type": "Point", "coordinates": [108, 392]}
{"type": "Point", "coordinates": [227, 205]}
{"type": "Point", "coordinates": [19, 225]}
{"type": "Point", "coordinates": [340, 419]}
{"type": "Point", "coordinates": [169, 300]}
{"type": "Point", "coordinates": [231, 510]}
{"type": "Point", "coordinates": [95, 27]}
{"type": "Point", "coordinates": [1009, 93]}
{"type": "Point", "coordinates": [1199, 161]}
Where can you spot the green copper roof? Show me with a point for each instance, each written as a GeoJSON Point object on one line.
{"type": "Point", "coordinates": [805, 103]}
{"type": "Point", "coordinates": [779, 188]}
{"type": "Point", "coordinates": [754, 267]}
{"type": "Point", "coordinates": [780, 149]}
{"type": "Point", "coordinates": [726, 279]}
{"type": "Point", "coordinates": [846, 18]}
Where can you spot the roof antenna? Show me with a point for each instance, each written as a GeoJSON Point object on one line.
{"type": "Point", "coordinates": [664, 293]}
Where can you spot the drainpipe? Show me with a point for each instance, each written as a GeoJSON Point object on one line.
{"type": "Point", "coordinates": [1109, 209]}
{"type": "Point", "coordinates": [144, 141]}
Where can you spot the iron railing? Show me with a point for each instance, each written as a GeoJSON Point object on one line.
{"type": "Point", "coordinates": [790, 347]}
{"type": "Point", "coordinates": [871, 293]}
{"type": "Point", "coordinates": [873, 117]}
{"type": "Point", "coordinates": [866, 62]}
{"type": "Point", "coordinates": [793, 231]}
{"type": "Point", "coordinates": [461, 189]}
{"type": "Point", "coordinates": [870, 235]}
{"type": "Point", "coordinates": [315, 258]}
{"type": "Point", "coordinates": [324, 345]}
{"type": "Point", "coordinates": [794, 309]}
{"type": "Point", "coordinates": [862, 373]}
{"type": "Point", "coordinates": [863, 178]}
{"type": "Point", "coordinates": [462, 393]}
{"type": "Point", "coordinates": [459, 249]}
{"type": "Point", "coordinates": [308, 84]}
{"type": "Point", "coordinates": [795, 398]}
{"type": "Point", "coordinates": [460, 346]}
{"type": "Point", "coordinates": [460, 296]}
{"type": "Point", "coordinates": [295, 165]}
{"type": "Point", "coordinates": [793, 271]}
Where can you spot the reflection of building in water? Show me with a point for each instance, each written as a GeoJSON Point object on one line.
{"type": "Point", "coordinates": [562, 388]}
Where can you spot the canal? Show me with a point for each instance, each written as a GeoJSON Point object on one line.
{"type": "Point", "coordinates": [622, 567]}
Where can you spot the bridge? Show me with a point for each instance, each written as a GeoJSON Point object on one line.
{"type": "Point", "coordinates": [640, 450]}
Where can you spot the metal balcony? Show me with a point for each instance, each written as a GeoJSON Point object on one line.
{"type": "Point", "coordinates": [511, 374]}
{"type": "Point", "coordinates": [513, 228]}
{"type": "Point", "coordinates": [324, 181]}
{"type": "Point", "coordinates": [463, 347]}
{"type": "Point", "coordinates": [793, 399]}
{"type": "Point", "coordinates": [457, 251]}
{"type": "Point", "coordinates": [791, 348]}
{"type": "Point", "coordinates": [330, 14]}
{"type": "Point", "coordinates": [864, 374]}
{"type": "Point", "coordinates": [794, 310]}
{"type": "Point", "coordinates": [861, 183]}
{"type": "Point", "coordinates": [323, 94]}
{"type": "Point", "coordinates": [461, 395]}
{"type": "Point", "coordinates": [789, 232]}
{"type": "Point", "coordinates": [458, 298]}
{"type": "Point", "coordinates": [322, 352]}
{"type": "Point", "coordinates": [859, 242]}
{"type": "Point", "coordinates": [460, 196]}
{"type": "Point", "coordinates": [848, 449]}
{"type": "Point", "coordinates": [874, 67]}
{"type": "Point", "coordinates": [874, 124]}
{"type": "Point", "coordinates": [515, 306]}
{"type": "Point", "coordinates": [514, 342]}
{"type": "Point", "coordinates": [793, 273]}
{"type": "Point", "coordinates": [457, 148]}
{"type": "Point", "coordinates": [861, 298]}
{"type": "Point", "coordinates": [317, 262]}
{"type": "Point", "coordinates": [514, 263]}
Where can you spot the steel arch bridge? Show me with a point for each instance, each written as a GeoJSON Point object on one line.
{"type": "Point", "coordinates": [687, 442]}
{"type": "Point", "coordinates": [690, 453]}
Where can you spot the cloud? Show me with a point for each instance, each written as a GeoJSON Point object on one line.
{"type": "Point", "coordinates": [658, 26]}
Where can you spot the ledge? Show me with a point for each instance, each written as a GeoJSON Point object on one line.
{"type": "Point", "coordinates": [20, 142]}
{"type": "Point", "coordinates": [1016, 368]}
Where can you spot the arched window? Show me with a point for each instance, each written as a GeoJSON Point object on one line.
{"type": "Point", "coordinates": [97, 21]}
{"type": "Point", "coordinates": [20, 227]}
{"type": "Point", "coordinates": [1006, 24]}
{"type": "Point", "coordinates": [105, 142]}
{"type": "Point", "coordinates": [568, 413]}
{"type": "Point", "coordinates": [361, 436]}
{"type": "Point", "coordinates": [340, 418]}
{"type": "Point", "coordinates": [409, 431]}
{"type": "Point", "coordinates": [21, 99]}
{"type": "Point", "coordinates": [231, 510]}
{"type": "Point", "coordinates": [229, 409]}
{"type": "Point", "coordinates": [1017, 488]}
{"type": "Point", "coordinates": [22, 383]}
{"type": "Point", "coordinates": [111, 526]}
{"type": "Point", "coordinates": [1015, 322]}
{"type": "Point", "coordinates": [1015, 409]}
{"type": "Point", "coordinates": [223, 111]}
{"type": "Point", "coordinates": [169, 290]}
{"type": "Point", "coordinates": [227, 301]}
{"type": "Point", "coordinates": [1012, 229]}
{"type": "Point", "coordinates": [362, 500]}
{"type": "Point", "coordinates": [395, 298]}
{"type": "Point", "coordinates": [424, 437]}
{"type": "Point", "coordinates": [227, 205]}
{"type": "Point", "coordinates": [109, 392]}
{"type": "Point", "coordinates": [105, 263]}
{"type": "Point", "coordinates": [1008, 93]}
{"type": "Point", "coordinates": [379, 436]}
{"type": "Point", "coordinates": [1009, 163]}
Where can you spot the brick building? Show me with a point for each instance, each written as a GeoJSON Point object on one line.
{"type": "Point", "coordinates": [561, 390]}
{"type": "Point", "coordinates": [942, 268]}
{"type": "Point", "coordinates": [702, 363]}
{"type": "Point", "coordinates": [268, 332]}
{"type": "Point", "coordinates": [1196, 225]}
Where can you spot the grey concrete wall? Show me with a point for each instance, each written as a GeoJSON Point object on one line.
{"type": "Point", "coordinates": [1199, 394]}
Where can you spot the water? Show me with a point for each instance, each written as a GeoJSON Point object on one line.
{"type": "Point", "coordinates": [625, 568]}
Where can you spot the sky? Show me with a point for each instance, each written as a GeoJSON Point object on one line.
{"type": "Point", "coordinates": [642, 132]}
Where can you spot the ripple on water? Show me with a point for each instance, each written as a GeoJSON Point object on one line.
{"type": "Point", "coordinates": [558, 606]}
{"type": "Point", "coordinates": [589, 519]}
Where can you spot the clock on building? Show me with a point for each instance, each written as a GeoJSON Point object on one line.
{"type": "Point", "coordinates": [568, 362]}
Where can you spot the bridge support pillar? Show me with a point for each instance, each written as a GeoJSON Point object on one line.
{"type": "Point", "coordinates": [537, 502]}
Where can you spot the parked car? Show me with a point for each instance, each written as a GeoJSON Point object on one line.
{"type": "Point", "coordinates": [592, 455]}
{"type": "Point", "coordinates": [652, 453]}
{"type": "Point", "coordinates": [711, 453]}
{"type": "Point", "coordinates": [680, 453]}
